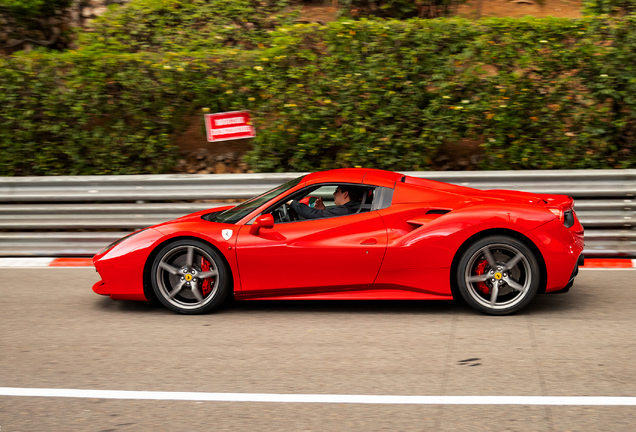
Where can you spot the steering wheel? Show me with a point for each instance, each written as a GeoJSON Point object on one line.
{"type": "Point", "coordinates": [284, 214]}
{"type": "Point", "coordinates": [291, 214]}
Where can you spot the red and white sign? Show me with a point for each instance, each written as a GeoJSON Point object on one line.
{"type": "Point", "coordinates": [229, 126]}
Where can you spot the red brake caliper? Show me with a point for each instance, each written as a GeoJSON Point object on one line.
{"type": "Point", "coordinates": [206, 285]}
{"type": "Point", "coordinates": [480, 270]}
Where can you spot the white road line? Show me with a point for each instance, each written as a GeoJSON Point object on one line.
{"type": "Point", "coordinates": [322, 398]}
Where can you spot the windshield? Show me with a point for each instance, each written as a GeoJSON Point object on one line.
{"type": "Point", "coordinates": [237, 213]}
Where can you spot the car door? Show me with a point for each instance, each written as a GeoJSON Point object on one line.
{"type": "Point", "coordinates": [311, 256]}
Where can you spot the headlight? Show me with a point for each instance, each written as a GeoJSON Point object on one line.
{"type": "Point", "coordinates": [116, 242]}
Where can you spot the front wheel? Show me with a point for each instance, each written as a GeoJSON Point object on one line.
{"type": "Point", "coordinates": [498, 275]}
{"type": "Point", "coordinates": [190, 277]}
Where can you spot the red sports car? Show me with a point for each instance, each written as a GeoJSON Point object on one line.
{"type": "Point", "coordinates": [354, 234]}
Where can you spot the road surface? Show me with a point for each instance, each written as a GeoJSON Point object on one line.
{"type": "Point", "coordinates": [57, 334]}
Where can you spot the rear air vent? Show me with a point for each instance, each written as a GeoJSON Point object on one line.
{"type": "Point", "coordinates": [568, 219]}
{"type": "Point", "coordinates": [437, 211]}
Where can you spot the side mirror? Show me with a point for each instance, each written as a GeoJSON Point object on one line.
{"type": "Point", "coordinates": [263, 221]}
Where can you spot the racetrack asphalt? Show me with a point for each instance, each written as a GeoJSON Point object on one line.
{"type": "Point", "coordinates": [57, 334]}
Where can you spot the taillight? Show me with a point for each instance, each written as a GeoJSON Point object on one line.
{"type": "Point", "coordinates": [558, 213]}
{"type": "Point", "coordinates": [567, 217]}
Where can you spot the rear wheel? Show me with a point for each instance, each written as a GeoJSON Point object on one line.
{"type": "Point", "coordinates": [190, 277]}
{"type": "Point", "coordinates": [498, 275]}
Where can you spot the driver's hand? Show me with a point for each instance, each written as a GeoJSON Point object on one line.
{"type": "Point", "coordinates": [319, 204]}
{"type": "Point", "coordinates": [289, 202]}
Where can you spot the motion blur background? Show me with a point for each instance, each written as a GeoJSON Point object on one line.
{"type": "Point", "coordinates": [105, 87]}
{"type": "Point", "coordinates": [118, 87]}
{"type": "Point", "coordinates": [101, 133]}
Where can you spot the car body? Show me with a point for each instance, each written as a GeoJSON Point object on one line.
{"type": "Point", "coordinates": [411, 239]}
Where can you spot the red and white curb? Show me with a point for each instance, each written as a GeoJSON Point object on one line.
{"type": "Point", "coordinates": [593, 263]}
{"type": "Point", "coordinates": [590, 263]}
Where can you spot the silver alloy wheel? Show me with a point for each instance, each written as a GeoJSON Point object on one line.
{"type": "Point", "coordinates": [506, 272]}
{"type": "Point", "coordinates": [180, 277]}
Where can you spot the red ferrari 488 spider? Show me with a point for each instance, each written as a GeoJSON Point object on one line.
{"type": "Point", "coordinates": [371, 234]}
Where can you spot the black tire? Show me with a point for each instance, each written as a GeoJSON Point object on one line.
{"type": "Point", "coordinates": [498, 275]}
{"type": "Point", "coordinates": [179, 277]}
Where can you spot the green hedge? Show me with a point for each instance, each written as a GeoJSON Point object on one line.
{"type": "Point", "coordinates": [186, 25]}
{"type": "Point", "coordinates": [538, 93]}
{"type": "Point", "coordinates": [75, 114]}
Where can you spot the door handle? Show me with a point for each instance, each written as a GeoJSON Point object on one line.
{"type": "Point", "coordinates": [369, 241]}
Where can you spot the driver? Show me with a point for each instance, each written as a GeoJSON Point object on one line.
{"type": "Point", "coordinates": [347, 201]}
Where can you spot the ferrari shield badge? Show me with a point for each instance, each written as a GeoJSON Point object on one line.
{"type": "Point", "coordinates": [227, 234]}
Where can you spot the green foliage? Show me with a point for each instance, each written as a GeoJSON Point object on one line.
{"type": "Point", "coordinates": [537, 93]}
{"type": "Point", "coordinates": [76, 114]}
{"type": "Point", "coordinates": [186, 25]}
{"type": "Point", "coordinates": [610, 7]}
{"type": "Point", "coordinates": [400, 9]}
{"type": "Point", "coordinates": [31, 8]}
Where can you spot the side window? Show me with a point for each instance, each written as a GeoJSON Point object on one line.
{"type": "Point", "coordinates": [314, 196]}
{"type": "Point", "coordinates": [382, 199]}
{"type": "Point", "coordinates": [325, 193]}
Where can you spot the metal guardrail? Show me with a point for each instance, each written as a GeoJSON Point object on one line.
{"type": "Point", "coordinates": [76, 216]}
